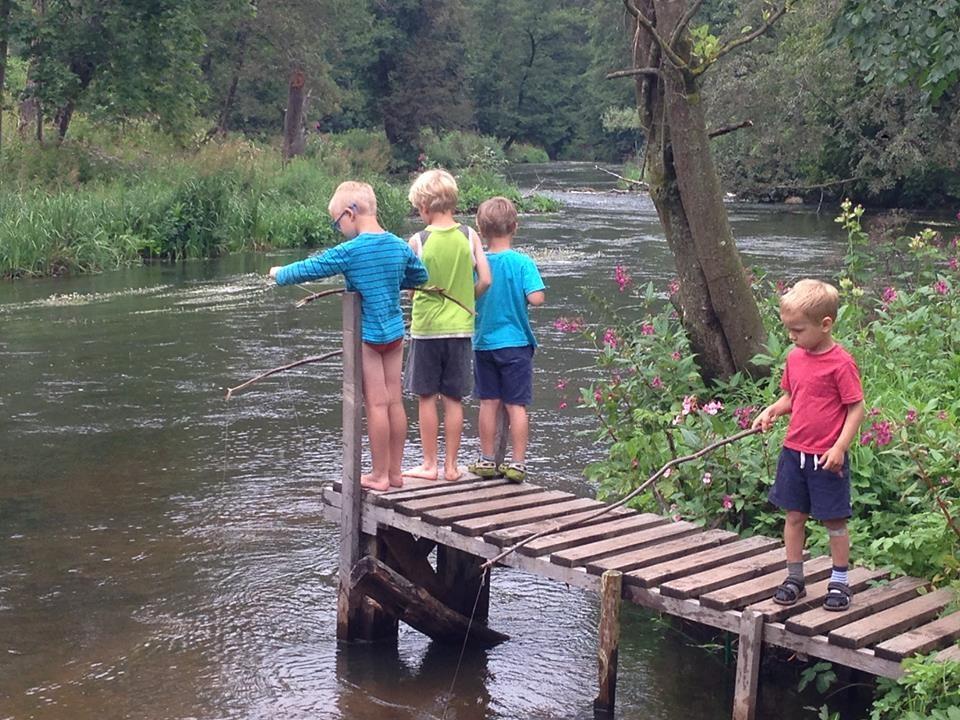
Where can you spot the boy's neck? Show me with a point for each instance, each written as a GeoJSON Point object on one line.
{"type": "Point", "coordinates": [368, 224]}
{"type": "Point", "coordinates": [500, 243]}
{"type": "Point", "coordinates": [824, 347]}
{"type": "Point", "coordinates": [441, 220]}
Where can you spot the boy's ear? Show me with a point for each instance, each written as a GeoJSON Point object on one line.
{"type": "Point", "coordinates": [826, 324]}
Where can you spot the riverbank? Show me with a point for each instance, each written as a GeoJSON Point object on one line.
{"type": "Point", "coordinates": [78, 208]}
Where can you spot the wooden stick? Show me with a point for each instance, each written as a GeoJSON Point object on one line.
{"type": "Point", "coordinates": [314, 296]}
{"type": "Point", "coordinates": [274, 371]}
{"type": "Point", "coordinates": [639, 183]}
{"type": "Point", "coordinates": [624, 500]}
{"type": "Point", "coordinates": [432, 289]}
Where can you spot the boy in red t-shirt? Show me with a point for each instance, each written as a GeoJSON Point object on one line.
{"type": "Point", "coordinates": [824, 397]}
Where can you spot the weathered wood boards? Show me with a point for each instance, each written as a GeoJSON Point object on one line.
{"type": "Point", "coordinates": [661, 552]}
{"type": "Point", "coordinates": [699, 561]}
{"type": "Point", "coordinates": [584, 553]}
{"type": "Point", "coordinates": [729, 574]}
{"type": "Point", "coordinates": [859, 579]}
{"type": "Point", "coordinates": [923, 639]}
{"type": "Point", "coordinates": [891, 621]}
{"type": "Point", "coordinates": [760, 588]}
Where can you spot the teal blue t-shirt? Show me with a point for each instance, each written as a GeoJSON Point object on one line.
{"type": "Point", "coordinates": [502, 319]}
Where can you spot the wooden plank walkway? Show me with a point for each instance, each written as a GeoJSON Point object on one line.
{"type": "Point", "coordinates": [708, 576]}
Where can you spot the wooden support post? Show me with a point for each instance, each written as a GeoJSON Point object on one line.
{"type": "Point", "coordinates": [347, 612]}
{"type": "Point", "coordinates": [611, 589]}
{"type": "Point", "coordinates": [748, 665]}
{"type": "Point", "coordinates": [375, 625]}
{"type": "Point", "coordinates": [460, 578]}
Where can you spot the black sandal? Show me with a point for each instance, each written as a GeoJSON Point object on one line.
{"type": "Point", "coordinates": [838, 597]}
{"type": "Point", "coordinates": [789, 592]}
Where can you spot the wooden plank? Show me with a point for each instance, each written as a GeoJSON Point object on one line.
{"type": "Point", "coordinates": [748, 666]}
{"type": "Point", "coordinates": [921, 640]}
{"type": "Point", "coordinates": [434, 489]}
{"type": "Point", "coordinates": [859, 578]}
{"type": "Point", "coordinates": [481, 525]}
{"type": "Point", "coordinates": [818, 647]}
{"type": "Point", "coordinates": [582, 554]}
{"type": "Point", "coordinates": [448, 515]}
{"type": "Point", "coordinates": [704, 560]}
{"type": "Point", "coordinates": [348, 613]}
{"type": "Point", "coordinates": [415, 507]}
{"type": "Point", "coordinates": [601, 531]}
{"type": "Point", "coordinates": [819, 621]}
{"type": "Point", "coordinates": [661, 552]}
{"type": "Point", "coordinates": [509, 536]}
{"type": "Point", "coordinates": [760, 588]}
{"type": "Point", "coordinates": [731, 573]}
{"type": "Point", "coordinates": [611, 591]}
{"type": "Point", "coordinates": [951, 654]}
{"type": "Point", "coordinates": [892, 621]}
{"type": "Point", "coordinates": [412, 483]}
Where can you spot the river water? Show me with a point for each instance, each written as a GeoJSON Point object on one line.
{"type": "Point", "coordinates": [162, 550]}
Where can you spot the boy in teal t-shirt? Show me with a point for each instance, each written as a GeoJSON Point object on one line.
{"type": "Point", "coordinates": [503, 341]}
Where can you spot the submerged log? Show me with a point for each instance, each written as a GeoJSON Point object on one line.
{"type": "Point", "coordinates": [415, 606]}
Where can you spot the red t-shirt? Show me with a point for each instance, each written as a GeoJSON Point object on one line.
{"type": "Point", "coordinates": [821, 386]}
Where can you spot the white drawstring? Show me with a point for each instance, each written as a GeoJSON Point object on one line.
{"type": "Point", "coordinates": [816, 460]}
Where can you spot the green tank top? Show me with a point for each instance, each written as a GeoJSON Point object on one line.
{"type": "Point", "coordinates": [448, 257]}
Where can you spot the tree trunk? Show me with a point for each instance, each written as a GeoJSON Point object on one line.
{"type": "Point", "coordinates": [238, 62]}
{"type": "Point", "coordinates": [718, 311]}
{"type": "Point", "coordinates": [294, 141]}
{"type": "Point", "coordinates": [5, 6]}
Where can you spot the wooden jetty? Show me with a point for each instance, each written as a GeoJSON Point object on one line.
{"type": "Point", "coordinates": [708, 576]}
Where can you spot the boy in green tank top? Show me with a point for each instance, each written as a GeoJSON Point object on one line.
{"type": "Point", "coordinates": [439, 363]}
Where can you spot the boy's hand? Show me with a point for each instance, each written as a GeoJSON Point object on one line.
{"type": "Point", "coordinates": [832, 459]}
{"type": "Point", "coordinates": [274, 270]}
{"type": "Point", "coordinates": [765, 419]}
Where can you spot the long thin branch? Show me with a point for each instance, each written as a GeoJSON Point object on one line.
{"type": "Point", "coordinates": [744, 39]}
{"type": "Point", "coordinates": [625, 499]}
{"type": "Point", "coordinates": [729, 128]}
{"type": "Point", "coordinates": [432, 289]}
{"type": "Point", "coordinates": [274, 371]}
{"type": "Point", "coordinates": [684, 21]}
{"type": "Point", "coordinates": [648, 25]}
{"type": "Point", "coordinates": [317, 295]}
{"type": "Point", "coordinates": [638, 183]}
{"type": "Point", "coordinates": [631, 72]}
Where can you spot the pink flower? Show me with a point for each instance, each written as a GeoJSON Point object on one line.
{"type": "Point", "coordinates": [873, 412]}
{"type": "Point", "coordinates": [944, 480]}
{"type": "Point", "coordinates": [667, 473]}
{"type": "Point", "coordinates": [656, 383]}
{"type": "Point", "coordinates": [597, 396]}
{"type": "Point", "coordinates": [673, 287]}
{"type": "Point", "coordinates": [713, 407]}
{"type": "Point", "coordinates": [781, 287]}
{"type": "Point", "coordinates": [561, 383]}
{"type": "Point", "coordinates": [940, 287]}
{"type": "Point", "coordinates": [888, 295]}
{"type": "Point", "coordinates": [689, 404]}
{"type": "Point", "coordinates": [942, 415]}
{"type": "Point", "coordinates": [646, 329]}
{"type": "Point", "coordinates": [707, 478]}
{"type": "Point", "coordinates": [563, 405]}
{"type": "Point", "coordinates": [911, 416]}
{"type": "Point", "coordinates": [953, 264]}
{"type": "Point", "coordinates": [866, 438]}
{"type": "Point", "coordinates": [744, 416]}
{"type": "Point", "coordinates": [675, 355]}
{"type": "Point", "coordinates": [610, 338]}
{"type": "Point", "coordinates": [620, 275]}
{"type": "Point", "coordinates": [727, 502]}
{"type": "Point", "coordinates": [568, 325]}
{"type": "Point", "coordinates": [677, 517]}
{"type": "Point", "coordinates": [882, 432]}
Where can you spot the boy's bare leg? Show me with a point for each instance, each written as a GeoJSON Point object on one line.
{"type": "Point", "coordinates": [376, 404]}
{"type": "Point", "coordinates": [429, 429]}
{"type": "Point", "coordinates": [794, 535]}
{"type": "Point", "coordinates": [519, 432]}
{"type": "Point", "coordinates": [392, 373]}
{"type": "Point", "coordinates": [839, 544]}
{"type": "Point", "coordinates": [488, 426]}
{"type": "Point", "coordinates": [452, 430]}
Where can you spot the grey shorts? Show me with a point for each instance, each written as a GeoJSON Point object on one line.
{"type": "Point", "coordinates": [440, 366]}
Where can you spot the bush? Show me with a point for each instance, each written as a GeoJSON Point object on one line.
{"type": "Point", "coordinates": [526, 153]}
{"type": "Point", "coordinates": [457, 149]}
{"type": "Point", "coordinates": [477, 185]}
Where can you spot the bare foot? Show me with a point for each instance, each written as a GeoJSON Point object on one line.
{"type": "Point", "coordinates": [454, 474]}
{"type": "Point", "coordinates": [422, 471]}
{"type": "Point", "coordinates": [370, 483]}
{"type": "Point", "coordinates": [396, 481]}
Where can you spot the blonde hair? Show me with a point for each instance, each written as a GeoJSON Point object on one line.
{"type": "Point", "coordinates": [497, 217]}
{"type": "Point", "coordinates": [435, 190]}
{"type": "Point", "coordinates": [814, 298]}
{"type": "Point", "coordinates": [358, 195]}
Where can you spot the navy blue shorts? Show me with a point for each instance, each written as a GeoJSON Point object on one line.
{"type": "Point", "coordinates": [821, 494]}
{"type": "Point", "coordinates": [505, 374]}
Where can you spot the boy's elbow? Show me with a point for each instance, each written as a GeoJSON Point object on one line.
{"type": "Point", "coordinates": [536, 298]}
{"type": "Point", "coordinates": [480, 287]}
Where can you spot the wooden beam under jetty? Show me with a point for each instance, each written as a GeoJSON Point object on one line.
{"type": "Point", "coordinates": [415, 606]}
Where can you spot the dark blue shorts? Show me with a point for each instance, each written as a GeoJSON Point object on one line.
{"type": "Point", "coordinates": [505, 374]}
{"type": "Point", "coordinates": [821, 494]}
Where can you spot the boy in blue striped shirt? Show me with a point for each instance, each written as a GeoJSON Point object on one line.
{"type": "Point", "coordinates": [377, 265]}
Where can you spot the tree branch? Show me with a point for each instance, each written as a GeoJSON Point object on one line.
{"type": "Point", "coordinates": [744, 39]}
{"type": "Point", "coordinates": [647, 25]}
{"type": "Point", "coordinates": [274, 371]}
{"type": "Point", "coordinates": [638, 183]}
{"type": "Point", "coordinates": [631, 72]}
{"type": "Point", "coordinates": [729, 128]}
{"type": "Point", "coordinates": [684, 21]}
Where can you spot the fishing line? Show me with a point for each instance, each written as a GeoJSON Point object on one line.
{"type": "Point", "coordinates": [466, 638]}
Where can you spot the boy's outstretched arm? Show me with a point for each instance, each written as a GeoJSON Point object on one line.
{"type": "Point", "coordinates": [414, 273]}
{"type": "Point", "coordinates": [783, 406]}
{"type": "Point", "coordinates": [482, 266]}
{"type": "Point", "coordinates": [331, 262]}
{"type": "Point", "coordinates": [536, 298]}
{"type": "Point", "coordinates": [833, 459]}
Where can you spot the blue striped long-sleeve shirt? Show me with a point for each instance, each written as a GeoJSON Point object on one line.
{"type": "Point", "coordinates": [376, 265]}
